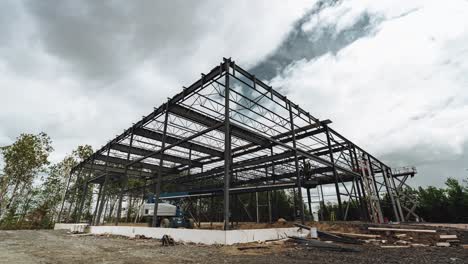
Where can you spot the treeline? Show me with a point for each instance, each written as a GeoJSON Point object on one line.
{"type": "Point", "coordinates": [31, 188]}
{"type": "Point", "coordinates": [32, 192]}
{"type": "Point", "coordinates": [448, 204]}
{"type": "Point", "coordinates": [32, 195]}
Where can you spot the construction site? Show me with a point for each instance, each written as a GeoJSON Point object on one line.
{"type": "Point", "coordinates": [189, 175]}
{"type": "Point", "coordinates": [315, 131]}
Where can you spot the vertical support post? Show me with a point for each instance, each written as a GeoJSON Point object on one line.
{"type": "Point", "coordinates": [275, 194]}
{"type": "Point", "coordinates": [83, 198]}
{"type": "Point", "coordinates": [227, 145]}
{"type": "Point", "coordinates": [355, 166]}
{"type": "Point", "coordinates": [397, 198]}
{"type": "Point", "coordinates": [104, 190]}
{"type": "Point", "coordinates": [93, 222]}
{"type": "Point", "coordinates": [268, 198]}
{"type": "Point", "coordinates": [75, 198]}
{"type": "Point", "coordinates": [190, 161]}
{"type": "Point", "coordinates": [296, 164]}
{"type": "Point", "coordinates": [157, 190]}
{"type": "Point", "coordinates": [125, 185]}
{"type": "Point", "coordinates": [379, 201]}
{"type": "Point", "coordinates": [335, 174]}
{"type": "Point", "coordinates": [366, 204]}
{"type": "Point", "coordinates": [309, 200]}
{"type": "Point", "coordinates": [389, 192]}
{"type": "Point", "coordinates": [373, 191]}
{"type": "Point", "coordinates": [85, 192]}
{"type": "Point", "coordinates": [256, 207]}
{"type": "Point", "coordinates": [294, 204]}
{"type": "Point", "coordinates": [211, 210]}
{"type": "Point", "coordinates": [322, 203]}
{"type": "Point", "coordinates": [64, 197]}
{"type": "Point", "coordinates": [269, 207]}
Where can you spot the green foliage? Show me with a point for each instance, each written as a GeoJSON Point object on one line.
{"type": "Point", "coordinates": [24, 160]}
{"type": "Point", "coordinates": [31, 191]}
{"type": "Point", "coordinates": [448, 204]}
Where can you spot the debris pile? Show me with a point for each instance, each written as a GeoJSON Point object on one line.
{"type": "Point", "coordinates": [383, 236]}
{"type": "Point", "coordinates": [167, 240]}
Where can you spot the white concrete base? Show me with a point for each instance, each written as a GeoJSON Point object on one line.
{"type": "Point", "coordinates": [74, 228]}
{"type": "Point", "coordinates": [208, 237]}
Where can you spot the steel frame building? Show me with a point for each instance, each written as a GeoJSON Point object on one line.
{"type": "Point", "coordinates": [231, 133]}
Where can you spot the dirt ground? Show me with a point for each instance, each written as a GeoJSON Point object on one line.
{"type": "Point", "coordinates": [49, 246]}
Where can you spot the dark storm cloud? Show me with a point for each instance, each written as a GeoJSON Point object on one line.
{"type": "Point", "coordinates": [300, 44]}
{"type": "Point", "coordinates": [82, 71]}
{"type": "Point", "coordinates": [102, 39]}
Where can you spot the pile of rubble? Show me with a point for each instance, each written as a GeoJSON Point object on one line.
{"type": "Point", "coordinates": [383, 236]}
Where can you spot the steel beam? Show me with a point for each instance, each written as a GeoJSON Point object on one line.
{"type": "Point", "coordinates": [154, 135]}
{"type": "Point", "coordinates": [145, 152]}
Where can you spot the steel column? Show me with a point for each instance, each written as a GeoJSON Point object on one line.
{"type": "Point", "coordinates": [335, 174]}
{"type": "Point", "coordinates": [64, 196]}
{"type": "Point", "coordinates": [119, 206]}
{"type": "Point", "coordinates": [389, 192]}
{"type": "Point", "coordinates": [227, 146]}
{"type": "Point", "coordinates": [296, 164]}
{"type": "Point", "coordinates": [397, 199]}
{"type": "Point", "coordinates": [157, 191]}
{"type": "Point", "coordinates": [93, 221]}
{"type": "Point", "coordinates": [104, 191]}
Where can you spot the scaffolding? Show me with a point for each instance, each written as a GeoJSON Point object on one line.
{"type": "Point", "coordinates": [230, 133]}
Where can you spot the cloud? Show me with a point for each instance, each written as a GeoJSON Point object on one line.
{"type": "Point", "coordinates": [399, 91]}
{"type": "Point", "coordinates": [390, 74]}
{"type": "Point", "coordinates": [84, 71]}
{"type": "Point", "coordinates": [102, 40]}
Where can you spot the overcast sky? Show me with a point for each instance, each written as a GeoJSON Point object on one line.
{"type": "Point", "coordinates": [391, 75]}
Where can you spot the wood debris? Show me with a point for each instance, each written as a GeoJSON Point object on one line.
{"type": "Point", "coordinates": [252, 247]}
{"type": "Point", "coordinates": [394, 246]}
{"type": "Point", "coordinates": [354, 235]}
{"type": "Point", "coordinates": [310, 243]}
{"type": "Point", "coordinates": [443, 244]}
{"type": "Point", "coordinates": [448, 236]}
{"type": "Point", "coordinates": [402, 230]}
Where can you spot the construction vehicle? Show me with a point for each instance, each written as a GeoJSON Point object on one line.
{"type": "Point", "coordinates": [168, 215]}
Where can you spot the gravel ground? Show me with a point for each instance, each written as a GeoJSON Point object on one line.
{"type": "Point", "coordinates": [48, 246]}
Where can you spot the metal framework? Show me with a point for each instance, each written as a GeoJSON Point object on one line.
{"type": "Point", "coordinates": [230, 133]}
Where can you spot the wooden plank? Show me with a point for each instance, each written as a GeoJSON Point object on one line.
{"type": "Point", "coordinates": [394, 246]}
{"type": "Point", "coordinates": [328, 236]}
{"type": "Point", "coordinates": [252, 247]}
{"type": "Point", "coordinates": [321, 245]}
{"type": "Point", "coordinates": [402, 230]}
{"type": "Point", "coordinates": [448, 236]}
{"type": "Point", "coordinates": [354, 235]}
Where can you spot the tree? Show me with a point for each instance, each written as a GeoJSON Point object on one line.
{"type": "Point", "coordinates": [62, 172]}
{"type": "Point", "coordinates": [24, 160]}
{"type": "Point", "coordinates": [457, 201]}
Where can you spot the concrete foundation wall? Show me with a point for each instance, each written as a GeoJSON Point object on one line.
{"type": "Point", "coordinates": [76, 228]}
{"type": "Point", "coordinates": [208, 237]}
